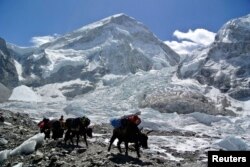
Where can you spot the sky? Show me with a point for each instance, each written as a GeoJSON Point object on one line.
{"type": "Point", "coordinates": [25, 22]}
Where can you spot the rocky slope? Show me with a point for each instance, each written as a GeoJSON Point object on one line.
{"type": "Point", "coordinates": [225, 64]}
{"type": "Point", "coordinates": [55, 153]}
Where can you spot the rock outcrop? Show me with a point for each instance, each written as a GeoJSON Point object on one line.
{"type": "Point", "coordinates": [8, 73]}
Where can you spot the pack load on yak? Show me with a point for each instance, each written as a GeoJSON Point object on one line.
{"type": "Point", "coordinates": [124, 120]}
{"type": "Point", "coordinates": [77, 123]}
{"type": "Point", "coordinates": [56, 126]}
{"type": "Point", "coordinates": [43, 125]}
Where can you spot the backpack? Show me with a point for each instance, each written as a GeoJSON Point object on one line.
{"type": "Point", "coordinates": [116, 123]}
{"type": "Point", "coordinates": [85, 121]}
{"type": "Point", "coordinates": [41, 124]}
{"type": "Point", "coordinates": [134, 119]}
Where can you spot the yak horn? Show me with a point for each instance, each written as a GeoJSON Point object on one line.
{"type": "Point", "coordinates": [149, 132]}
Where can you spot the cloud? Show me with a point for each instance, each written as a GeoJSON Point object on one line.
{"type": "Point", "coordinates": [200, 36]}
{"type": "Point", "coordinates": [191, 40]}
{"type": "Point", "coordinates": [39, 40]}
{"type": "Point", "coordinates": [183, 47]}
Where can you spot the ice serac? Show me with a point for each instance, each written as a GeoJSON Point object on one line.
{"type": "Point", "coordinates": [225, 64]}
{"type": "Point", "coordinates": [115, 45]}
{"type": "Point", "coordinates": [8, 73]}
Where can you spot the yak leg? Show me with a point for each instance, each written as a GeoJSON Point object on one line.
{"type": "Point", "coordinates": [71, 136]}
{"type": "Point", "coordinates": [85, 139]}
{"type": "Point", "coordinates": [67, 136]}
{"type": "Point", "coordinates": [137, 149]}
{"type": "Point", "coordinates": [77, 138]}
{"type": "Point", "coordinates": [119, 146]}
{"type": "Point", "coordinates": [60, 135]}
{"type": "Point", "coordinates": [126, 148]}
{"type": "Point", "coordinates": [111, 142]}
{"type": "Point", "coordinates": [47, 133]}
{"type": "Point", "coordinates": [54, 134]}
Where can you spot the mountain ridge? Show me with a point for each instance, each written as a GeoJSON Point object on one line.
{"type": "Point", "coordinates": [224, 64]}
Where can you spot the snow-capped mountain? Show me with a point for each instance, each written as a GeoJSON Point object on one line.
{"type": "Point", "coordinates": [115, 45]}
{"type": "Point", "coordinates": [225, 64]}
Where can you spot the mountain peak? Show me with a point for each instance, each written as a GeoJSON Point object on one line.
{"type": "Point", "coordinates": [235, 30]}
{"type": "Point", "coordinates": [120, 17]}
{"type": "Point", "coordinates": [117, 19]}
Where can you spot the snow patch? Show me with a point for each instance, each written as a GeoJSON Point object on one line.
{"type": "Point", "coordinates": [207, 119]}
{"type": "Point", "coordinates": [233, 144]}
{"type": "Point", "coordinates": [54, 92]}
{"type": "Point", "coordinates": [18, 165]}
{"type": "Point", "coordinates": [63, 57]}
{"type": "Point", "coordinates": [111, 79]}
{"type": "Point", "coordinates": [24, 93]}
{"type": "Point", "coordinates": [4, 155]}
{"type": "Point", "coordinates": [26, 147]}
{"type": "Point", "coordinates": [29, 145]}
{"type": "Point", "coordinates": [19, 70]}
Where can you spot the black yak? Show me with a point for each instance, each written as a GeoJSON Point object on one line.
{"type": "Point", "coordinates": [129, 134]}
{"type": "Point", "coordinates": [54, 125]}
{"type": "Point", "coordinates": [76, 127]}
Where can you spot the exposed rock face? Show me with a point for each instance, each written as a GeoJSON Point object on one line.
{"type": "Point", "coordinates": [76, 89]}
{"type": "Point", "coordinates": [225, 64]}
{"type": "Point", "coordinates": [182, 102]}
{"type": "Point", "coordinates": [4, 92]}
{"type": "Point", "coordinates": [8, 73]}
